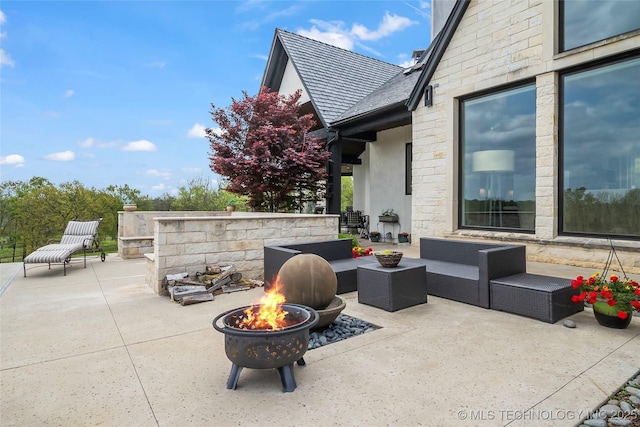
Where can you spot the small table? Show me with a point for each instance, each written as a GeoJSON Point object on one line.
{"type": "Point", "coordinates": [392, 288]}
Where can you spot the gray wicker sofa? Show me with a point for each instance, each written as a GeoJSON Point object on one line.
{"type": "Point", "coordinates": [336, 252]}
{"type": "Point", "coordinates": [462, 270]}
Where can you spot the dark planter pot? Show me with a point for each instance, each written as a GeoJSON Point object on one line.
{"type": "Point", "coordinates": [388, 218]}
{"type": "Point", "coordinates": [403, 239]}
{"type": "Point", "coordinates": [608, 320]}
{"type": "Point", "coordinates": [374, 237]}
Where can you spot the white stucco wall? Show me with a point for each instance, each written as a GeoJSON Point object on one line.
{"type": "Point", "coordinates": [497, 43]}
{"type": "Point", "coordinates": [379, 181]}
{"type": "Point", "coordinates": [291, 82]}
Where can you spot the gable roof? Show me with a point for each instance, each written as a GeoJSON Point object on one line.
{"type": "Point", "coordinates": [439, 46]}
{"type": "Point", "coordinates": [335, 79]}
{"type": "Point", "coordinates": [392, 94]}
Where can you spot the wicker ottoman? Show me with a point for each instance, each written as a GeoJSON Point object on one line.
{"type": "Point", "coordinates": [540, 297]}
{"type": "Point", "coordinates": [394, 288]}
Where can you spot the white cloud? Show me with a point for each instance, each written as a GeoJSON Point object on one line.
{"type": "Point", "coordinates": [197, 131]}
{"type": "Point", "coordinates": [335, 32]}
{"type": "Point", "coordinates": [217, 131]}
{"type": "Point", "coordinates": [90, 142]}
{"type": "Point", "coordinates": [332, 33]}
{"type": "Point", "coordinates": [3, 19]}
{"type": "Point", "coordinates": [141, 145]}
{"type": "Point", "coordinates": [166, 175]}
{"type": "Point", "coordinates": [5, 59]}
{"type": "Point", "coordinates": [12, 159]}
{"type": "Point", "coordinates": [62, 156]}
{"type": "Point", "coordinates": [87, 143]}
{"type": "Point", "coordinates": [159, 187]}
{"type": "Point", "coordinates": [68, 93]}
{"type": "Point", "coordinates": [389, 25]}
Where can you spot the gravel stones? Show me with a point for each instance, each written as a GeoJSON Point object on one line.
{"type": "Point", "coordinates": [342, 328]}
{"type": "Point", "coordinates": [623, 409]}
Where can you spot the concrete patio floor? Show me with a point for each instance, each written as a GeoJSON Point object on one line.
{"type": "Point", "coordinates": [98, 347]}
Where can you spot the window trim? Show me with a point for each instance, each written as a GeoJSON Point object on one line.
{"type": "Point", "coordinates": [460, 101]}
{"type": "Point", "coordinates": [635, 54]}
{"type": "Point", "coordinates": [560, 34]}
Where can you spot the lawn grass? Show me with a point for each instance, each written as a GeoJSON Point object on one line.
{"type": "Point", "coordinates": [7, 254]}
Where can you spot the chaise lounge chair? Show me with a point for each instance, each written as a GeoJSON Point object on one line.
{"type": "Point", "coordinates": [79, 236]}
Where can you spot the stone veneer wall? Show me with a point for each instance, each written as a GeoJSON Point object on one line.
{"type": "Point", "coordinates": [135, 230]}
{"type": "Point", "coordinates": [498, 43]}
{"type": "Point", "coordinates": [188, 244]}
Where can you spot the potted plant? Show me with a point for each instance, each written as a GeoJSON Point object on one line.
{"type": "Point", "coordinates": [403, 237]}
{"type": "Point", "coordinates": [374, 236]}
{"type": "Point", "coordinates": [231, 206]}
{"type": "Point", "coordinates": [388, 215]}
{"type": "Point", "coordinates": [358, 251]}
{"type": "Point", "coordinates": [130, 206]}
{"type": "Point", "coordinates": [613, 300]}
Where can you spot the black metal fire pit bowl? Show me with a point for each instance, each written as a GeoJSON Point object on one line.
{"type": "Point", "coordinates": [267, 349]}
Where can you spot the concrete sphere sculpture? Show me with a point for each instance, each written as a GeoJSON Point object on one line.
{"type": "Point", "coordinates": [308, 279]}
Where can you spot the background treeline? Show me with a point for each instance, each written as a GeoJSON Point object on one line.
{"type": "Point", "coordinates": [36, 212]}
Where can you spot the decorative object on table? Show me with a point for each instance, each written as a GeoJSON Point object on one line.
{"type": "Point", "coordinates": [613, 298]}
{"type": "Point", "coordinates": [308, 279]}
{"type": "Point", "coordinates": [403, 237]}
{"type": "Point", "coordinates": [358, 252]}
{"type": "Point", "coordinates": [231, 206]}
{"type": "Point", "coordinates": [388, 215]}
{"type": "Point", "coordinates": [130, 206]}
{"type": "Point", "coordinates": [374, 236]}
{"type": "Point", "coordinates": [388, 258]}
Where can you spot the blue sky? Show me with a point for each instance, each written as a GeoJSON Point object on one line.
{"type": "Point", "coordinates": [119, 92]}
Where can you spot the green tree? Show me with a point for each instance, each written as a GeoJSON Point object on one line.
{"type": "Point", "coordinates": [265, 151]}
{"type": "Point", "coordinates": [201, 195]}
{"type": "Point", "coordinates": [346, 192]}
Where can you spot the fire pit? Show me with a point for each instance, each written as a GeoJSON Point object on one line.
{"type": "Point", "coordinates": [273, 340]}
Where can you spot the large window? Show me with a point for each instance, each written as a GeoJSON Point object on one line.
{"type": "Point", "coordinates": [588, 21]}
{"type": "Point", "coordinates": [600, 150]}
{"type": "Point", "coordinates": [497, 160]}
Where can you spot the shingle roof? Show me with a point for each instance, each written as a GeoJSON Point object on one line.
{"type": "Point", "coordinates": [335, 78]}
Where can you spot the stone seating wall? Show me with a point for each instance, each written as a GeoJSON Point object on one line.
{"type": "Point", "coordinates": [190, 243]}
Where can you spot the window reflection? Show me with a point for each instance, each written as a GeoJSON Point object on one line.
{"type": "Point", "coordinates": [601, 150]}
{"type": "Point", "coordinates": [588, 21]}
{"type": "Point", "coordinates": [498, 160]}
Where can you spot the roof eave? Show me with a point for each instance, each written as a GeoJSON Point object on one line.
{"type": "Point", "coordinates": [368, 115]}
{"type": "Point", "coordinates": [442, 43]}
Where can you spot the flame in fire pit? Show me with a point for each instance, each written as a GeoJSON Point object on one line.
{"type": "Point", "coordinates": [268, 314]}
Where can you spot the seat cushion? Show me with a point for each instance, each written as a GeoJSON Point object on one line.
{"type": "Point", "coordinates": [51, 253]}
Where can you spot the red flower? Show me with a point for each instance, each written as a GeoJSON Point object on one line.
{"type": "Point", "coordinates": [611, 302]}
{"type": "Point", "coordinates": [636, 304]}
{"type": "Point", "coordinates": [576, 299]}
{"type": "Point", "coordinates": [575, 284]}
{"type": "Point", "coordinates": [613, 278]}
{"type": "Point", "coordinates": [623, 314]}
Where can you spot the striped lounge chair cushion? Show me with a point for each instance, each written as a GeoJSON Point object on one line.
{"type": "Point", "coordinates": [52, 253]}
{"type": "Point", "coordinates": [77, 235]}
{"type": "Point", "coordinates": [82, 232]}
